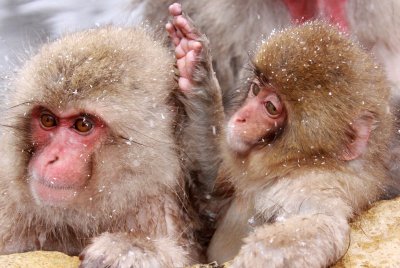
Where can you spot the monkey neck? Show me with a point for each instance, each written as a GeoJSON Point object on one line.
{"type": "Point", "coordinates": [263, 167]}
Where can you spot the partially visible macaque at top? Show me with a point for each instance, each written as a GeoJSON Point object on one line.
{"type": "Point", "coordinates": [377, 26]}
{"type": "Point", "coordinates": [90, 163]}
{"type": "Point", "coordinates": [305, 151]}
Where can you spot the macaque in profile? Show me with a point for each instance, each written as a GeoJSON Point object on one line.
{"type": "Point", "coordinates": [90, 163]}
{"type": "Point", "coordinates": [305, 151]}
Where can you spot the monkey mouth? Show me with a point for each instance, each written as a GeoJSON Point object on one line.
{"type": "Point", "coordinates": [53, 185]}
{"type": "Point", "coordinates": [47, 192]}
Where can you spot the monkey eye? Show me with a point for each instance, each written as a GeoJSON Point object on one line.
{"type": "Point", "coordinates": [83, 125]}
{"type": "Point", "coordinates": [47, 120]}
{"type": "Point", "coordinates": [271, 109]}
{"type": "Point", "coordinates": [255, 88]}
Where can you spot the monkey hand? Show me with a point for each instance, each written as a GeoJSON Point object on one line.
{"type": "Point", "coordinates": [191, 49]}
{"type": "Point", "coordinates": [299, 241]}
{"type": "Point", "coordinates": [124, 250]}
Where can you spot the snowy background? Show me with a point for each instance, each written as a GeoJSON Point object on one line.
{"type": "Point", "coordinates": [25, 24]}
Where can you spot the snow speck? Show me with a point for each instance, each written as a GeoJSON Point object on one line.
{"type": "Point", "coordinates": [251, 221]}
{"type": "Point", "coordinates": [42, 239]}
{"type": "Point", "coordinates": [214, 130]}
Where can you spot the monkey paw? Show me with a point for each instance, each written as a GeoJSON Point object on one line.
{"type": "Point", "coordinates": [257, 255]}
{"type": "Point", "coordinates": [122, 250]}
{"type": "Point", "coordinates": [185, 37]}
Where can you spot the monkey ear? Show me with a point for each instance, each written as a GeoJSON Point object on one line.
{"type": "Point", "coordinates": [362, 127]}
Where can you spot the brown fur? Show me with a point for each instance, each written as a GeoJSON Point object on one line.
{"type": "Point", "coordinates": [134, 204]}
{"type": "Point", "coordinates": [295, 196]}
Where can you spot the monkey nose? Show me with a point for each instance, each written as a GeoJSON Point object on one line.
{"type": "Point", "coordinates": [53, 160]}
{"type": "Point", "coordinates": [240, 120]}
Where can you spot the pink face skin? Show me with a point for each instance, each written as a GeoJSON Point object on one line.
{"type": "Point", "coordinates": [333, 11]}
{"type": "Point", "coordinates": [261, 115]}
{"type": "Point", "coordinates": [64, 143]}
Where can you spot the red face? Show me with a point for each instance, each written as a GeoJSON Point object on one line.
{"type": "Point", "coordinates": [258, 120]}
{"type": "Point", "coordinates": [64, 144]}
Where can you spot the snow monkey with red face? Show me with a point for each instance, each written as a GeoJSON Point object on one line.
{"type": "Point", "coordinates": [304, 151]}
{"type": "Point", "coordinates": [90, 163]}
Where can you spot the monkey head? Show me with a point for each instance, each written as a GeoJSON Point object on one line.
{"type": "Point", "coordinates": [89, 114]}
{"type": "Point", "coordinates": [314, 97]}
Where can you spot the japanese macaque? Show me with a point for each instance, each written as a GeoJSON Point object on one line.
{"type": "Point", "coordinates": [90, 163]}
{"type": "Point", "coordinates": [305, 151]}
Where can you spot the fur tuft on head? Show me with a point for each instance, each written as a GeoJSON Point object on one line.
{"type": "Point", "coordinates": [326, 83]}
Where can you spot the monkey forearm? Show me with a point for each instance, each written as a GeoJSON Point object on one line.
{"type": "Point", "coordinates": [205, 99]}
{"type": "Point", "coordinates": [301, 241]}
{"type": "Point", "coordinates": [201, 98]}
{"type": "Point", "coordinates": [205, 113]}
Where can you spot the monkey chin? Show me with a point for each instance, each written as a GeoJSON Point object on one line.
{"type": "Point", "coordinates": [50, 194]}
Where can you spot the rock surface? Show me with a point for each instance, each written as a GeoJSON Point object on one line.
{"type": "Point", "coordinates": [375, 238]}
{"type": "Point", "coordinates": [39, 259]}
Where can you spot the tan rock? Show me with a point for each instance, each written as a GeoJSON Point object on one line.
{"type": "Point", "coordinates": [375, 238]}
{"type": "Point", "coordinates": [39, 259]}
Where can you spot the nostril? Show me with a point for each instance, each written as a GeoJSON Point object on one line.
{"type": "Point", "coordinates": [54, 160]}
{"type": "Point", "coordinates": [241, 120]}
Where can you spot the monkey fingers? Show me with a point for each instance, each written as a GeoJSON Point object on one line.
{"type": "Point", "coordinates": [182, 22]}
{"type": "Point", "coordinates": [172, 32]}
{"type": "Point", "coordinates": [184, 36]}
{"type": "Point", "coordinates": [183, 29]}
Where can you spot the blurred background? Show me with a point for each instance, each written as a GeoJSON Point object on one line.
{"type": "Point", "coordinates": [24, 24]}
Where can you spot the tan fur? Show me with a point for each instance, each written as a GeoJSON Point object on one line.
{"type": "Point", "coordinates": [295, 196]}
{"type": "Point", "coordinates": [134, 201]}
